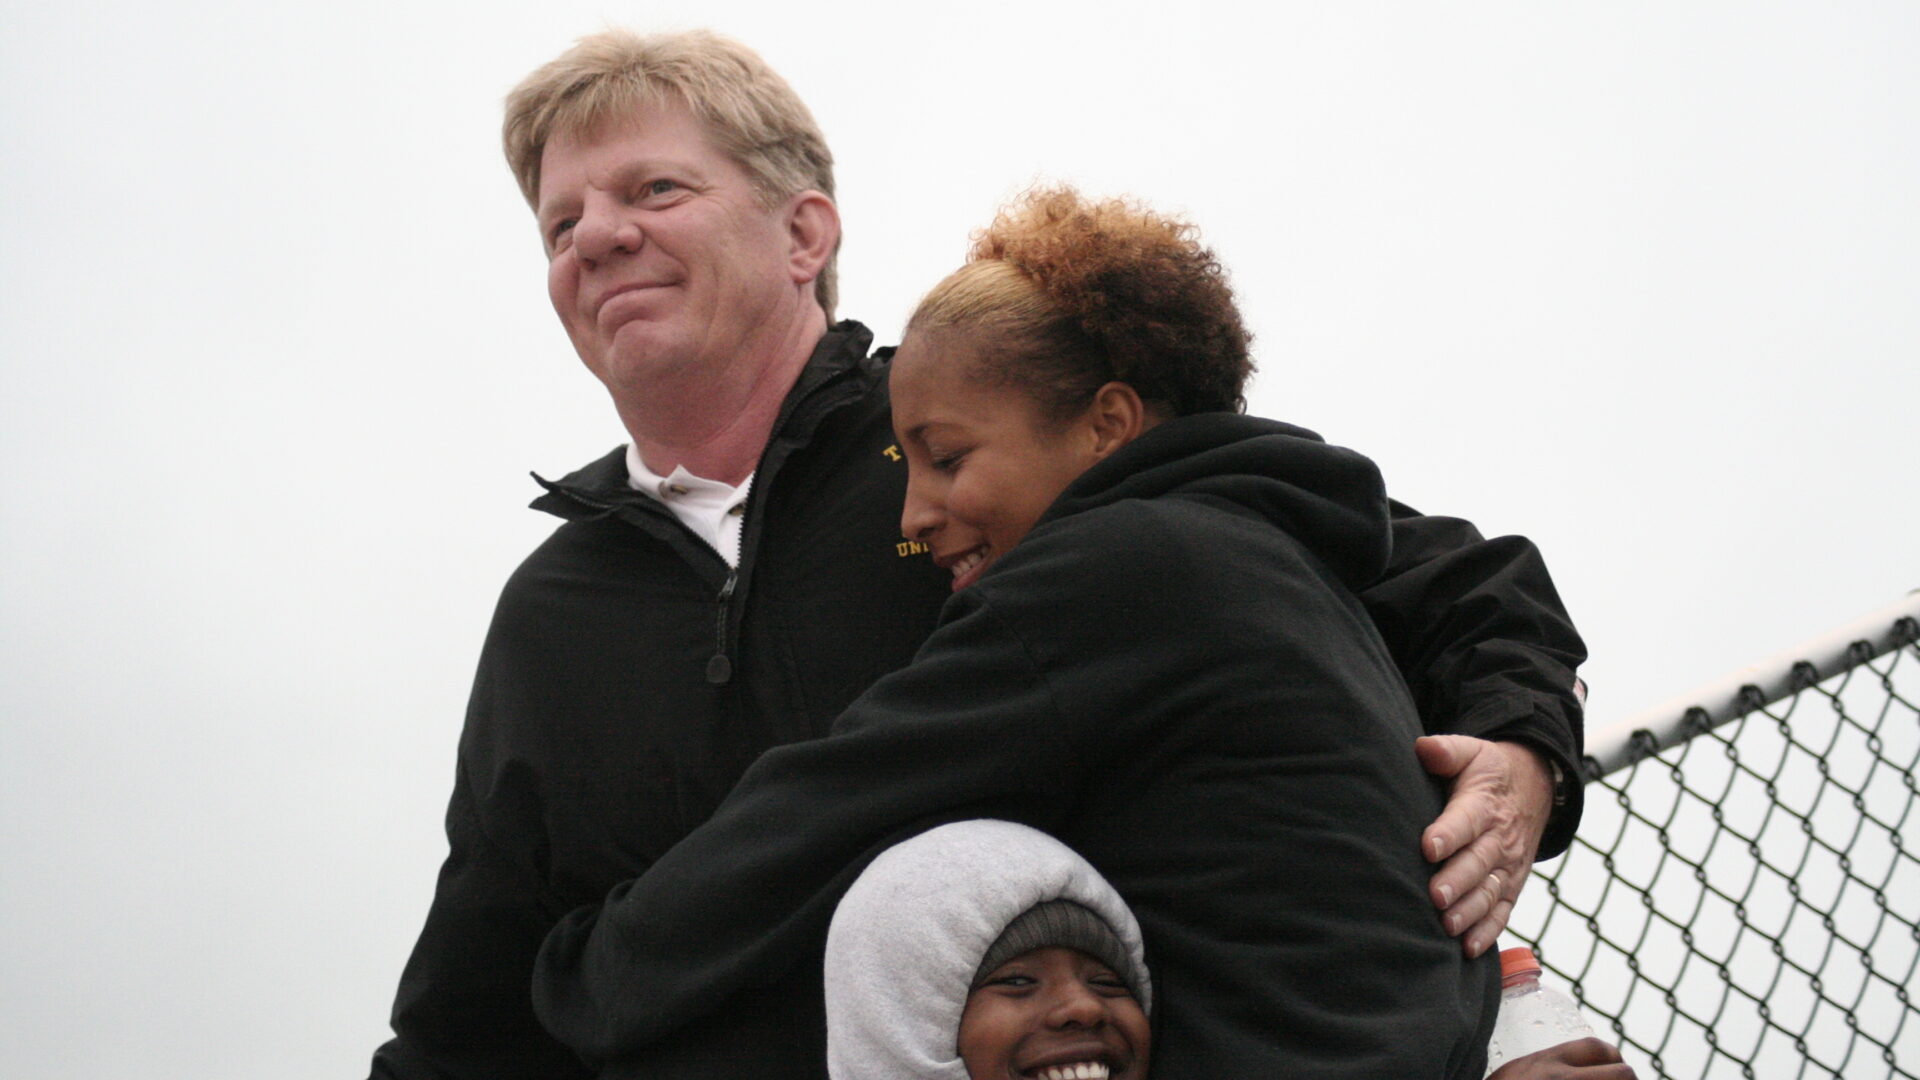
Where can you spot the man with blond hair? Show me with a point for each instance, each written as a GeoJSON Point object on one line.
{"type": "Point", "coordinates": [735, 576]}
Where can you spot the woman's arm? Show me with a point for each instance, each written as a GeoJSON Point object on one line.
{"type": "Point", "coordinates": [967, 731]}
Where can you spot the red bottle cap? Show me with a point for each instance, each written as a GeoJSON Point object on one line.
{"type": "Point", "coordinates": [1517, 961]}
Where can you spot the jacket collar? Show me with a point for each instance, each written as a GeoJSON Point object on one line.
{"type": "Point", "coordinates": [827, 381]}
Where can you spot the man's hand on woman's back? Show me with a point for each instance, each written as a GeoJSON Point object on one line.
{"type": "Point", "coordinates": [1499, 797]}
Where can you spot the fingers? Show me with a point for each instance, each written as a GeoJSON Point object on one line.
{"type": "Point", "coordinates": [1484, 843]}
{"type": "Point", "coordinates": [1468, 815]}
{"type": "Point", "coordinates": [1458, 826]}
{"type": "Point", "coordinates": [1446, 755]}
{"type": "Point", "coordinates": [1588, 1051]}
{"type": "Point", "coordinates": [1484, 801]}
{"type": "Point", "coordinates": [1528, 1069]}
{"type": "Point", "coordinates": [1482, 935]}
{"type": "Point", "coordinates": [1487, 834]}
{"type": "Point", "coordinates": [1476, 906]}
{"type": "Point", "coordinates": [1479, 907]}
{"type": "Point", "coordinates": [1476, 890]}
{"type": "Point", "coordinates": [1463, 873]}
{"type": "Point", "coordinates": [1581, 1059]}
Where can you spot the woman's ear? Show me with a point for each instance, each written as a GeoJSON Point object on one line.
{"type": "Point", "coordinates": [1116, 417]}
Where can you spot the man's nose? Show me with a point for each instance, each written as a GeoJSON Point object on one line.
{"type": "Point", "coordinates": [604, 231]}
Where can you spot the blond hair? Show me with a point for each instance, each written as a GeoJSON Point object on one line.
{"type": "Point", "coordinates": [747, 109]}
{"type": "Point", "coordinates": [1074, 293]}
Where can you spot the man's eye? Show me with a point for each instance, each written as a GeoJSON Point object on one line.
{"type": "Point", "coordinates": [561, 230]}
{"type": "Point", "coordinates": [661, 187]}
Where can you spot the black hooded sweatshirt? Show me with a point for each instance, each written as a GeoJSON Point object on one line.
{"type": "Point", "coordinates": [1174, 675]}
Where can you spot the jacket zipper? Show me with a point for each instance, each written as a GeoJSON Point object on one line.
{"type": "Point", "coordinates": [720, 665]}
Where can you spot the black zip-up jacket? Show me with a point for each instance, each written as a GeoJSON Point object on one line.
{"type": "Point", "coordinates": [1174, 675]}
{"type": "Point", "coordinates": [602, 729]}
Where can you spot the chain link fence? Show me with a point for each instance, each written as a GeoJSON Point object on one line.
{"type": "Point", "coordinates": [1743, 898]}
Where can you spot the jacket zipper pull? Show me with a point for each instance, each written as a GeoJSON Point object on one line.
{"type": "Point", "coordinates": [719, 665]}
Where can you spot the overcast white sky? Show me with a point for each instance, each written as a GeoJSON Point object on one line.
{"type": "Point", "coordinates": [1637, 279]}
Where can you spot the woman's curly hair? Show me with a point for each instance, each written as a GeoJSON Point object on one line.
{"type": "Point", "coordinates": [1073, 293]}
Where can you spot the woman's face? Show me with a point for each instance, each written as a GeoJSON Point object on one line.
{"type": "Point", "coordinates": [984, 460]}
{"type": "Point", "coordinates": [1054, 1014]}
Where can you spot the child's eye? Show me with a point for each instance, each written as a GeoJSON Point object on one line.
{"type": "Point", "coordinates": [946, 462]}
{"type": "Point", "coordinates": [558, 234]}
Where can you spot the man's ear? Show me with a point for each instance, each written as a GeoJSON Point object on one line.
{"type": "Point", "coordinates": [813, 232]}
{"type": "Point", "coordinates": [1116, 417]}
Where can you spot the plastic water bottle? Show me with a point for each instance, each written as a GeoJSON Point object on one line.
{"type": "Point", "coordinates": [1532, 1017]}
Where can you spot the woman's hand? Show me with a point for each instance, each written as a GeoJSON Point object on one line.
{"type": "Point", "coordinates": [1499, 799]}
{"type": "Point", "coordinates": [1581, 1059]}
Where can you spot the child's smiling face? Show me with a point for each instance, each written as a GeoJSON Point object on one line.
{"type": "Point", "coordinates": [1054, 1014]}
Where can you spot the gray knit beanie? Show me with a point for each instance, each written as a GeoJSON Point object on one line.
{"type": "Point", "coordinates": [1065, 924]}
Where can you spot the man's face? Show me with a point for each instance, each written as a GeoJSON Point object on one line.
{"type": "Point", "coordinates": [663, 261]}
{"type": "Point", "coordinates": [1054, 1014]}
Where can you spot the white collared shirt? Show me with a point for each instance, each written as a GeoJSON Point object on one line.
{"type": "Point", "coordinates": [710, 509]}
